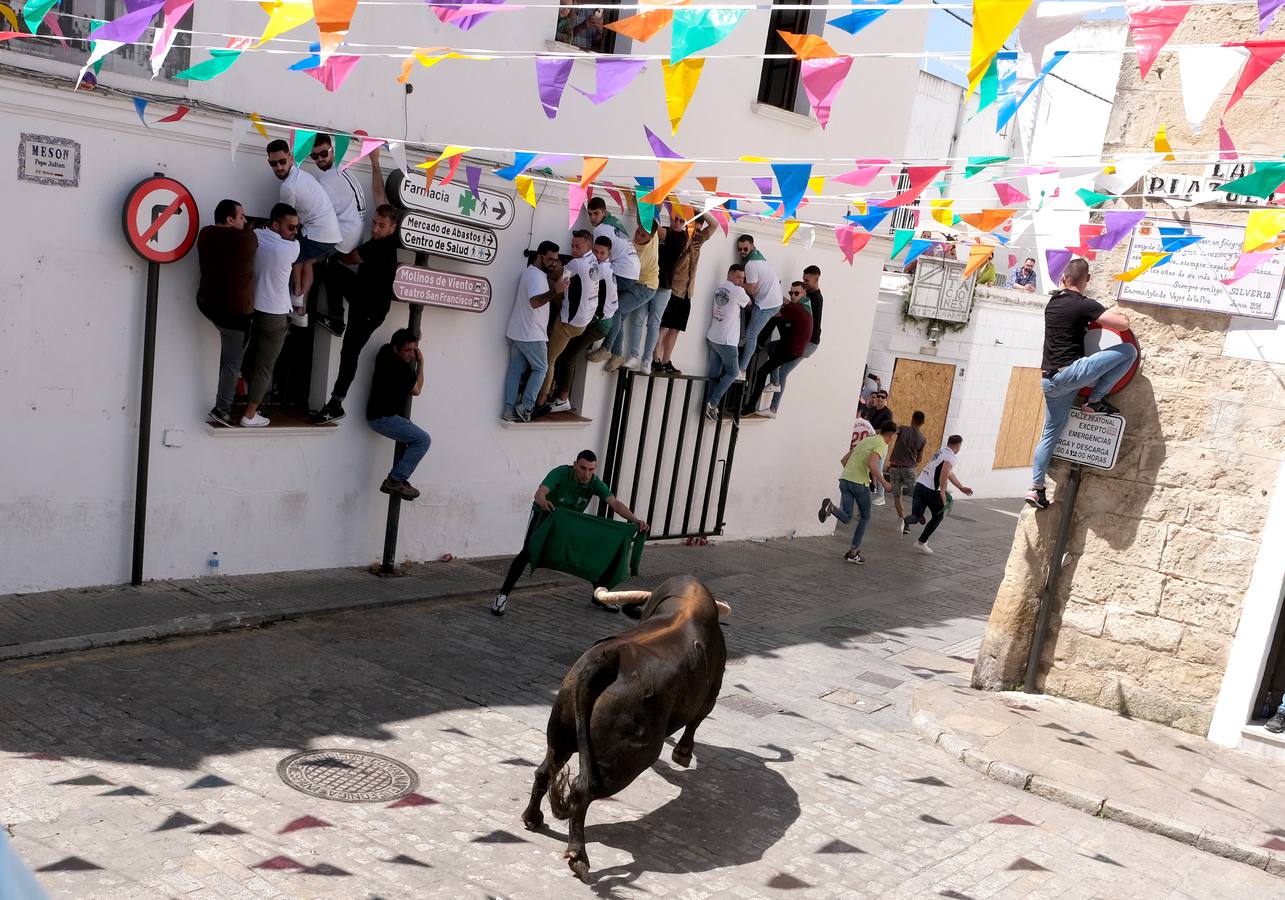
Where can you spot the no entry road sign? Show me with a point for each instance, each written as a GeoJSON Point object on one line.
{"type": "Point", "coordinates": [454, 239]}
{"type": "Point", "coordinates": [1091, 440]}
{"type": "Point", "coordinates": [411, 190]}
{"type": "Point", "coordinates": [430, 287]}
{"type": "Point", "coordinates": [161, 219]}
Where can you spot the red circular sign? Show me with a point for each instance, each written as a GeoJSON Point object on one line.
{"type": "Point", "coordinates": [1099, 337]}
{"type": "Point", "coordinates": [161, 219]}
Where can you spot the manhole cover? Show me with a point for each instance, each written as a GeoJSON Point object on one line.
{"type": "Point", "coordinates": [856, 637]}
{"type": "Point", "coordinates": [751, 706]}
{"type": "Point", "coordinates": [349, 776]}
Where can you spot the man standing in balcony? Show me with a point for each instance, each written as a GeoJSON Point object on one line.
{"type": "Point", "coordinates": [679, 307]}
{"type": "Point", "coordinates": [349, 201]}
{"type": "Point", "coordinates": [318, 225]}
{"type": "Point", "coordinates": [273, 261]}
{"type": "Point", "coordinates": [794, 324]}
{"type": "Point", "coordinates": [813, 302]}
{"type": "Point", "coordinates": [764, 287]}
{"type": "Point", "coordinates": [625, 267]}
{"type": "Point", "coordinates": [528, 330]}
{"type": "Point", "coordinates": [578, 306]}
{"type": "Point", "coordinates": [225, 295]}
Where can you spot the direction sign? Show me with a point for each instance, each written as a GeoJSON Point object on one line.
{"type": "Point", "coordinates": [430, 287]}
{"type": "Point", "coordinates": [1091, 440]}
{"type": "Point", "coordinates": [161, 219]}
{"type": "Point", "coordinates": [450, 201]}
{"type": "Point", "coordinates": [453, 239]}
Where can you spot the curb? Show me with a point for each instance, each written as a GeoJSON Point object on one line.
{"type": "Point", "coordinates": [218, 623]}
{"type": "Point", "coordinates": [929, 727]}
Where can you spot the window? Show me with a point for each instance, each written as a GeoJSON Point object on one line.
{"type": "Point", "coordinates": [904, 216]}
{"type": "Point", "coordinates": [779, 83]}
{"type": "Point", "coordinates": [69, 23]}
{"type": "Point", "coordinates": [586, 29]}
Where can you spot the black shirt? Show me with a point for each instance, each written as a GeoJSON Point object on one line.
{"type": "Point", "coordinates": [876, 417]}
{"type": "Point", "coordinates": [815, 300]}
{"type": "Point", "coordinates": [390, 385]}
{"type": "Point", "coordinates": [1066, 319]}
{"type": "Point", "coordinates": [670, 249]}
{"type": "Point", "coordinates": [376, 272]}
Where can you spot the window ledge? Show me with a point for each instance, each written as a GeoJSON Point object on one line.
{"type": "Point", "coordinates": [560, 47]}
{"type": "Point", "coordinates": [552, 420]}
{"type": "Point", "coordinates": [222, 431]}
{"type": "Point", "coordinates": [785, 116]}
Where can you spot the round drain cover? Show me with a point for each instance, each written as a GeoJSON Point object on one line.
{"type": "Point", "coordinates": [349, 776]}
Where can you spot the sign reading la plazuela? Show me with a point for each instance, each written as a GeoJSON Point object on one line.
{"type": "Point", "coordinates": [432, 287]}
{"type": "Point", "coordinates": [411, 190]}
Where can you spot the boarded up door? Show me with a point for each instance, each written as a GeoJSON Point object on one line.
{"type": "Point", "coordinates": [1023, 420]}
{"type": "Point", "coordinates": [926, 386]}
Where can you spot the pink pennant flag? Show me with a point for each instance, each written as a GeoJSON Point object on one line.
{"type": "Point", "coordinates": [1009, 195]}
{"type": "Point", "coordinates": [1247, 263]}
{"type": "Point", "coordinates": [368, 146]}
{"type": "Point", "coordinates": [852, 240]}
{"type": "Point", "coordinates": [720, 217]}
{"type": "Point", "coordinates": [474, 176]}
{"type": "Point", "coordinates": [920, 177]}
{"type": "Point", "coordinates": [577, 196]}
{"type": "Point", "coordinates": [1226, 149]}
{"type": "Point", "coordinates": [450, 172]}
{"type": "Point", "coordinates": [615, 195]}
{"type": "Point", "coordinates": [864, 173]}
{"type": "Point", "coordinates": [334, 71]}
{"type": "Point", "coordinates": [822, 79]}
{"type": "Point", "coordinates": [163, 41]}
{"type": "Point", "coordinates": [1151, 25]}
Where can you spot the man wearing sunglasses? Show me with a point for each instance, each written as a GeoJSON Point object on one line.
{"type": "Point", "coordinates": [274, 257]}
{"type": "Point", "coordinates": [318, 224]}
{"type": "Point", "coordinates": [349, 200]}
{"type": "Point", "coordinates": [794, 326]}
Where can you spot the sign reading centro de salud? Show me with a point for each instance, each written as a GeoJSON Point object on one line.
{"type": "Point", "coordinates": [426, 234]}
{"type": "Point", "coordinates": [432, 287]}
{"type": "Point", "coordinates": [1091, 440]}
{"type": "Point", "coordinates": [1192, 279]}
{"type": "Point", "coordinates": [49, 160]}
{"type": "Point", "coordinates": [411, 190]}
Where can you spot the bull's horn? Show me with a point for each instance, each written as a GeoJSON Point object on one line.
{"type": "Point", "coordinates": [724, 610]}
{"type": "Point", "coordinates": [621, 598]}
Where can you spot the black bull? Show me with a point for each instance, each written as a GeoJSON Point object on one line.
{"type": "Point", "coordinates": [623, 697]}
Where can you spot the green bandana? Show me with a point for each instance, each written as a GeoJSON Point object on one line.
{"type": "Point", "coordinates": [755, 254]}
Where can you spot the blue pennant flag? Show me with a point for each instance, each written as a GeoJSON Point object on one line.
{"type": "Point", "coordinates": [859, 19]}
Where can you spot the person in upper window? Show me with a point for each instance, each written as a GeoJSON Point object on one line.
{"type": "Point", "coordinates": [1025, 278]}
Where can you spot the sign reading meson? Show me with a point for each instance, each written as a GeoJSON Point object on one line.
{"type": "Point", "coordinates": [49, 160]}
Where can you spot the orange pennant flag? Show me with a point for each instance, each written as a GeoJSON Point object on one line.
{"type": "Point", "coordinates": [709, 183]}
{"type": "Point", "coordinates": [988, 219]}
{"type": "Point", "coordinates": [593, 166]}
{"type": "Point", "coordinates": [643, 26]}
{"type": "Point", "coordinates": [808, 46]}
{"type": "Point", "coordinates": [978, 256]}
{"type": "Point", "coordinates": [671, 172]}
{"type": "Point", "coordinates": [333, 18]}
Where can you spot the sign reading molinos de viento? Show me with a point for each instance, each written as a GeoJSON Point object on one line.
{"type": "Point", "coordinates": [430, 287]}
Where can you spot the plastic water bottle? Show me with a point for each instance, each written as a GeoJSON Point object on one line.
{"type": "Point", "coordinates": [212, 564]}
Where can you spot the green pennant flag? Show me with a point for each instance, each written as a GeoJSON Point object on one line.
{"type": "Point", "coordinates": [1092, 198]}
{"type": "Point", "coordinates": [218, 63]}
{"type": "Point", "coordinates": [1262, 182]}
{"type": "Point", "coordinates": [34, 12]}
{"type": "Point", "coordinates": [989, 91]}
{"type": "Point", "coordinates": [303, 141]}
{"type": "Point", "coordinates": [646, 211]}
{"type": "Point", "coordinates": [977, 163]}
{"type": "Point", "coordinates": [900, 239]}
{"type": "Point", "coordinates": [341, 147]}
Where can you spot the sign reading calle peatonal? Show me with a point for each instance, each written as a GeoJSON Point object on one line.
{"type": "Point", "coordinates": [431, 287]}
{"type": "Point", "coordinates": [1091, 440]}
{"type": "Point", "coordinates": [458, 241]}
{"type": "Point", "coordinates": [450, 201]}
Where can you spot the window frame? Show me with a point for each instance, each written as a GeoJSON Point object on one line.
{"type": "Point", "coordinates": [780, 80]}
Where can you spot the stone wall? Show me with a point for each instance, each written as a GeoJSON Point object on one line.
{"type": "Point", "coordinates": [1162, 546]}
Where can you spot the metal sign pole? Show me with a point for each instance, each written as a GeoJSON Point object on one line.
{"type": "Point", "coordinates": [1050, 584]}
{"type": "Point", "coordinates": [145, 423]}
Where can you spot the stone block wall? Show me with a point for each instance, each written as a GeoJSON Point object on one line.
{"type": "Point", "coordinates": [1161, 547]}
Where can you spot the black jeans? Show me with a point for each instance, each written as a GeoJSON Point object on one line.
{"type": "Point", "coordinates": [341, 282]}
{"type": "Point", "coordinates": [777, 356]}
{"type": "Point", "coordinates": [926, 498]}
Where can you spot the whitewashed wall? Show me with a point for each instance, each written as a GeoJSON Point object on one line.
{"type": "Point", "coordinates": [1006, 330]}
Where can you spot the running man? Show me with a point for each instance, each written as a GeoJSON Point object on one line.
{"type": "Point", "coordinates": [903, 463]}
{"type": "Point", "coordinates": [930, 491]}
{"type": "Point", "coordinates": [568, 487]}
{"type": "Point", "coordinates": [861, 464]}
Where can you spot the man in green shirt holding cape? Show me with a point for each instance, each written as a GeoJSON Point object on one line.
{"type": "Point", "coordinates": [559, 536]}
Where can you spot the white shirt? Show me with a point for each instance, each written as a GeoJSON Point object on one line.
{"type": "Point", "coordinates": [587, 268]}
{"type": "Point", "coordinates": [624, 257]}
{"type": "Point", "coordinates": [272, 262]}
{"type": "Point", "coordinates": [760, 272]}
{"type": "Point", "coordinates": [525, 323]}
{"type": "Point", "coordinates": [930, 477]}
{"type": "Point", "coordinates": [607, 277]}
{"type": "Point", "coordinates": [349, 202]}
{"type": "Point", "coordinates": [725, 324]}
{"type": "Point", "coordinates": [316, 213]}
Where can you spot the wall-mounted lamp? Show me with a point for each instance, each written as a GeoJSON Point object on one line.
{"type": "Point", "coordinates": [934, 333]}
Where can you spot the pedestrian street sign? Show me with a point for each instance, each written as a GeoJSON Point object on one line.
{"type": "Point", "coordinates": [432, 287]}
{"type": "Point", "coordinates": [426, 234]}
{"type": "Point", "coordinates": [1090, 439]}
{"type": "Point", "coordinates": [411, 190]}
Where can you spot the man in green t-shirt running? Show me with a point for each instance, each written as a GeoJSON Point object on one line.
{"type": "Point", "coordinates": [862, 464]}
{"type": "Point", "coordinates": [566, 487]}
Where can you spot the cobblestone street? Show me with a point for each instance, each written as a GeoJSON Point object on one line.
{"type": "Point", "coordinates": [150, 770]}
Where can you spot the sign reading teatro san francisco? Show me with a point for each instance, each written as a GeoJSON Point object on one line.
{"type": "Point", "coordinates": [411, 190]}
{"type": "Point", "coordinates": [431, 287]}
{"type": "Point", "coordinates": [1091, 440]}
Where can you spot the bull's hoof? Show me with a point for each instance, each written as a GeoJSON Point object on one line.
{"type": "Point", "coordinates": [532, 822]}
{"type": "Point", "coordinates": [682, 757]}
{"type": "Point", "coordinates": [580, 869]}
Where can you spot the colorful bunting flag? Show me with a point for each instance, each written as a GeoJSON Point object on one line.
{"type": "Point", "coordinates": [791, 226]}
{"type": "Point", "coordinates": [643, 26]}
{"type": "Point", "coordinates": [334, 71]}
{"type": "Point", "coordinates": [176, 115]}
{"type": "Point", "coordinates": [646, 209]}
{"type": "Point", "coordinates": [822, 79]}
{"type": "Point", "coordinates": [977, 163]}
{"type": "Point", "coordinates": [1044, 23]}
{"type": "Point", "coordinates": [1204, 72]}
{"type": "Point", "coordinates": [863, 174]}
{"type": "Point", "coordinates": [861, 18]}
{"type": "Point", "coordinates": [1246, 264]}
{"type": "Point", "coordinates": [1162, 145]}
{"type": "Point", "coordinates": [139, 105]}
{"type": "Point", "coordinates": [1226, 149]}
{"type": "Point", "coordinates": [851, 242]}
{"type": "Point", "coordinates": [1263, 229]}
{"type": "Point", "coordinates": [993, 22]}
{"type": "Point", "coordinates": [699, 29]}
{"type": "Point", "coordinates": [920, 176]}
{"type": "Point", "coordinates": [163, 40]}
{"type": "Point", "coordinates": [551, 79]}
{"type": "Point", "coordinates": [257, 122]}
{"type": "Point", "coordinates": [1174, 239]}
{"type": "Point", "coordinates": [426, 58]}
{"type": "Point", "coordinates": [941, 212]}
{"type": "Point", "coordinates": [658, 147]}
{"type": "Point", "coordinates": [988, 219]}
{"type": "Point", "coordinates": [900, 239]}
{"type": "Point", "coordinates": [1149, 261]}
{"type": "Point", "coordinates": [593, 166]}
{"type": "Point", "coordinates": [1118, 225]}
{"type": "Point", "coordinates": [680, 84]}
{"type": "Point", "coordinates": [1262, 182]}
{"type": "Point", "coordinates": [671, 172]}
{"type": "Point", "coordinates": [1000, 77]}
{"type": "Point", "coordinates": [521, 160]}
{"type": "Point", "coordinates": [1055, 261]}
{"type": "Point", "coordinates": [283, 17]}
{"type": "Point", "coordinates": [978, 256]}
{"type": "Point", "coordinates": [576, 197]}
{"type": "Point", "coordinates": [218, 63]}
{"type": "Point", "coordinates": [126, 29]}
{"type": "Point", "coordinates": [525, 186]}
{"type": "Point", "coordinates": [368, 146]}
{"type": "Point", "coordinates": [1262, 56]}
{"type": "Point", "coordinates": [1012, 102]}
{"type": "Point", "coordinates": [1009, 195]}
{"type": "Point", "coordinates": [464, 15]}
{"type": "Point", "coordinates": [333, 18]}
{"type": "Point", "coordinates": [872, 219]}
{"type": "Point", "coordinates": [917, 248]}
{"type": "Point", "coordinates": [1092, 198]}
{"type": "Point", "coordinates": [34, 11]}
{"type": "Point", "coordinates": [303, 141]}
{"type": "Point", "coordinates": [808, 46]}
{"type": "Point", "coordinates": [792, 179]}
{"type": "Point", "coordinates": [612, 75]}
{"type": "Point", "coordinates": [1151, 25]}
{"type": "Point", "coordinates": [341, 148]}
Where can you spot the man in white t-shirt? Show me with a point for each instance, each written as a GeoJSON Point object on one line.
{"type": "Point", "coordinates": [625, 267]}
{"type": "Point", "coordinates": [724, 331]}
{"type": "Point", "coordinates": [930, 490]}
{"type": "Point", "coordinates": [276, 255]}
{"type": "Point", "coordinates": [528, 330]}
{"type": "Point", "coordinates": [578, 304]}
{"type": "Point", "coordinates": [349, 201]}
{"type": "Point", "coordinates": [599, 326]}
{"type": "Point", "coordinates": [764, 286]}
{"type": "Point", "coordinates": [318, 225]}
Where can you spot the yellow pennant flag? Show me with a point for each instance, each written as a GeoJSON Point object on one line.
{"type": "Point", "coordinates": [283, 17]}
{"type": "Point", "coordinates": [816, 184]}
{"type": "Point", "coordinates": [1263, 229]}
{"type": "Point", "coordinates": [680, 85]}
{"type": "Point", "coordinates": [1149, 260]}
{"type": "Point", "coordinates": [257, 122]}
{"type": "Point", "coordinates": [978, 256]}
{"type": "Point", "coordinates": [426, 59]}
{"type": "Point", "coordinates": [671, 172]}
{"type": "Point", "coordinates": [526, 188]}
{"type": "Point", "coordinates": [993, 22]}
{"type": "Point", "coordinates": [861, 207]}
{"type": "Point", "coordinates": [1162, 145]}
{"type": "Point", "coordinates": [755, 159]}
{"type": "Point", "coordinates": [791, 226]}
{"type": "Point", "coordinates": [941, 211]}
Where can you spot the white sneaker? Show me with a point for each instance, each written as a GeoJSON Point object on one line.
{"type": "Point", "coordinates": [560, 406]}
{"type": "Point", "coordinates": [768, 413]}
{"type": "Point", "coordinates": [923, 548]}
{"type": "Point", "coordinates": [497, 607]}
{"type": "Point", "coordinates": [645, 369]}
{"type": "Point", "coordinates": [879, 501]}
{"type": "Point", "coordinates": [740, 376]}
{"type": "Point", "coordinates": [633, 363]}
{"type": "Point", "coordinates": [771, 388]}
{"type": "Point", "coordinates": [259, 421]}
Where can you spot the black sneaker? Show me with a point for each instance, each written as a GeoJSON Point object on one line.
{"type": "Point", "coordinates": [669, 367]}
{"type": "Point", "coordinates": [1036, 497]}
{"type": "Point", "coordinates": [221, 417]}
{"type": "Point", "coordinates": [522, 414]}
{"type": "Point", "coordinates": [333, 411]}
{"type": "Point", "coordinates": [1276, 724]}
{"type": "Point", "coordinates": [824, 512]}
{"type": "Point", "coordinates": [854, 556]}
{"type": "Point", "coordinates": [541, 411]}
{"type": "Point", "coordinates": [1102, 408]}
{"type": "Point", "coordinates": [335, 327]}
{"type": "Point", "coordinates": [401, 489]}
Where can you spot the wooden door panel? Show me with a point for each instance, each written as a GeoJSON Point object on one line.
{"type": "Point", "coordinates": [926, 386]}
{"type": "Point", "coordinates": [1022, 421]}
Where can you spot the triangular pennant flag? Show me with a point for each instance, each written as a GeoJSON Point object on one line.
{"type": "Point", "coordinates": [900, 238]}
{"type": "Point", "coordinates": [1055, 262]}
{"type": "Point", "coordinates": [1126, 174]}
{"type": "Point", "coordinates": [613, 75]}
{"type": "Point", "coordinates": [816, 184]}
{"type": "Point", "coordinates": [283, 17]}
{"type": "Point", "coordinates": [334, 71]}
{"type": "Point", "coordinates": [576, 197]}
{"type": "Point", "coordinates": [426, 58]}
{"type": "Point", "coordinates": [919, 176]}
{"type": "Point", "coordinates": [473, 175]}
{"type": "Point", "coordinates": [646, 209]}
{"type": "Point", "coordinates": [643, 26]}
{"type": "Point", "coordinates": [521, 160]}
{"type": "Point", "coordinates": [658, 147]}
{"type": "Point", "coordinates": [1092, 198]}
{"type": "Point", "coordinates": [988, 219]}
{"type": "Point", "coordinates": [109, 36]}
{"type": "Point", "coordinates": [1246, 264]}
{"type": "Point", "coordinates": [822, 79]}
{"type": "Point", "coordinates": [368, 146]}
{"type": "Point", "coordinates": [303, 141]}
{"type": "Point", "coordinates": [917, 248]}
{"type": "Point", "coordinates": [680, 84]}
{"type": "Point", "coordinates": [526, 188]}
{"type": "Point", "coordinates": [1044, 23]}
{"type": "Point", "coordinates": [1118, 225]}
{"type": "Point", "coordinates": [871, 220]}
{"type": "Point", "coordinates": [671, 172]}
{"type": "Point", "coordinates": [941, 211]}
{"type": "Point", "coordinates": [465, 15]}
{"type": "Point", "coordinates": [593, 166]}
{"type": "Point", "coordinates": [1151, 25]}
{"type": "Point", "coordinates": [1267, 10]}
{"type": "Point", "coordinates": [341, 148]}
{"type": "Point", "coordinates": [977, 163]}
{"type": "Point", "coordinates": [1204, 72]}
{"type": "Point", "coordinates": [176, 115]}
{"type": "Point", "coordinates": [1012, 102]}
{"type": "Point", "coordinates": [861, 18]}
{"type": "Point", "coordinates": [1149, 261]}
{"type": "Point", "coordinates": [851, 241]}
{"type": "Point", "coordinates": [863, 174]}
{"type": "Point", "coordinates": [397, 150]}
{"type": "Point", "coordinates": [257, 122]}
{"type": "Point", "coordinates": [333, 18]}
{"type": "Point", "coordinates": [1174, 239]}
{"type": "Point", "coordinates": [551, 78]}
{"type": "Point", "coordinates": [699, 29]}
{"type": "Point", "coordinates": [163, 39]}
{"type": "Point", "coordinates": [1262, 229]}
{"type": "Point", "coordinates": [808, 46]}
{"type": "Point", "coordinates": [1262, 182]}
{"type": "Point", "coordinates": [1162, 145]}
{"type": "Point", "coordinates": [709, 183]}
{"type": "Point", "coordinates": [1226, 149]}
{"type": "Point", "coordinates": [218, 63]}
{"type": "Point", "coordinates": [139, 105]}
{"type": "Point", "coordinates": [33, 13]}
{"type": "Point", "coordinates": [1262, 56]}
{"type": "Point", "coordinates": [978, 256]}
{"type": "Point", "coordinates": [1009, 195]}
{"type": "Point", "coordinates": [791, 226]}
{"type": "Point", "coordinates": [240, 128]}
{"type": "Point", "coordinates": [721, 218]}
{"type": "Point", "coordinates": [792, 179]}
{"type": "Point", "coordinates": [999, 78]}
{"type": "Point", "coordinates": [993, 22]}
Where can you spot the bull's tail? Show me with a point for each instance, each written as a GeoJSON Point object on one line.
{"type": "Point", "coordinates": [560, 794]}
{"type": "Point", "coordinates": [598, 673]}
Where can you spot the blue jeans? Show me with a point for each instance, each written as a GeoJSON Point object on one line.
{"type": "Point", "coordinates": [758, 318]}
{"type": "Point", "coordinates": [633, 297]}
{"type": "Point", "coordinates": [655, 309]}
{"type": "Point", "coordinates": [722, 365]}
{"type": "Point", "coordinates": [524, 354]}
{"type": "Point", "coordinates": [403, 431]}
{"type": "Point", "coordinates": [779, 376]}
{"type": "Point", "coordinates": [1100, 371]}
{"type": "Point", "coordinates": [851, 493]}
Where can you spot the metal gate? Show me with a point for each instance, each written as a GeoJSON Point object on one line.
{"type": "Point", "coordinates": [664, 457]}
